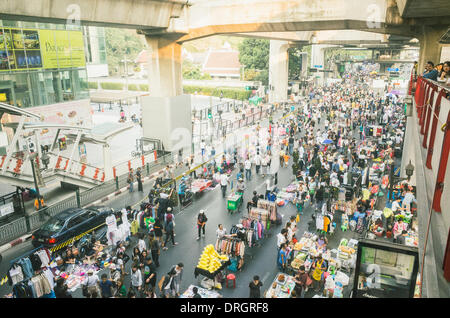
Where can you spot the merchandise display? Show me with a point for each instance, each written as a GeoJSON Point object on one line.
{"type": "Point", "coordinates": [282, 287]}
{"type": "Point", "coordinates": [210, 260]}
{"type": "Point", "coordinates": [203, 292]}
{"type": "Point", "coordinates": [199, 185]}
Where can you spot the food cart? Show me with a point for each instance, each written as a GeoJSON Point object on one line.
{"type": "Point", "coordinates": [234, 202]}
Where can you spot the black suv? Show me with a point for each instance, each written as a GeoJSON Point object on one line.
{"type": "Point", "coordinates": [69, 224]}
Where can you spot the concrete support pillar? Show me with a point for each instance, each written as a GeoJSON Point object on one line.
{"type": "Point", "coordinates": [430, 49]}
{"type": "Point", "coordinates": [304, 71]}
{"type": "Point", "coordinates": [164, 67]}
{"type": "Point", "coordinates": [278, 71]}
{"type": "Point", "coordinates": [318, 59]}
{"type": "Point", "coordinates": [166, 112]}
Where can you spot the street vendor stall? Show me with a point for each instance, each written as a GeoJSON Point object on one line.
{"type": "Point", "coordinates": [199, 185]}
{"type": "Point", "coordinates": [203, 292]}
{"type": "Point", "coordinates": [210, 266]}
{"type": "Point", "coordinates": [282, 287]}
{"type": "Point", "coordinates": [234, 202]}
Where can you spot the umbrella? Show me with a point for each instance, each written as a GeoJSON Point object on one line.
{"type": "Point", "coordinates": [327, 141]}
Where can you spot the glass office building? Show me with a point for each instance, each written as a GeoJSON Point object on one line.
{"type": "Point", "coordinates": [41, 63]}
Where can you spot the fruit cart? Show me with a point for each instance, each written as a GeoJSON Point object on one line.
{"type": "Point", "coordinates": [234, 202]}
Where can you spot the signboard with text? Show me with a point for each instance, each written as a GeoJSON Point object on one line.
{"type": "Point", "coordinates": [37, 49]}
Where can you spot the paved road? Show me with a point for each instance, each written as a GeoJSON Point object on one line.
{"type": "Point", "coordinates": [262, 263]}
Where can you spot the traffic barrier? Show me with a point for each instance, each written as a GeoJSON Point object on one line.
{"type": "Point", "coordinates": [58, 162]}
{"type": "Point", "coordinates": [96, 173]}
{"type": "Point", "coordinates": [83, 168]}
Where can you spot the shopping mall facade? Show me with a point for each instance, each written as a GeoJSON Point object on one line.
{"type": "Point", "coordinates": [45, 67]}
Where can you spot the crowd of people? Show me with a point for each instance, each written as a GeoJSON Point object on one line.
{"type": "Point", "coordinates": [323, 142]}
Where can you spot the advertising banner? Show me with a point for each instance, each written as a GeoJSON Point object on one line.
{"type": "Point", "coordinates": [34, 49]}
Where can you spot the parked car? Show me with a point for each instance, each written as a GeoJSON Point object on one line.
{"type": "Point", "coordinates": [68, 224]}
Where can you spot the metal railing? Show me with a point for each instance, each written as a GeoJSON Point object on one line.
{"type": "Point", "coordinates": [13, 230]}
{"type": "Point", "coordinates": [31, 222]}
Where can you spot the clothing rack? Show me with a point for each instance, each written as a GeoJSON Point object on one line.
{"type": "Point", "coordinates": [25, 255]}
{"type": "Point", "coordinates": [233, 251]}
{"type": "Point", "coordinates": [270, 206]}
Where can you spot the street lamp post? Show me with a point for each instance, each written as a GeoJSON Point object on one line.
{"type": "Point", "coordinates": [125, 61]}
{"type": "Point", "coordinates": [33, 157]}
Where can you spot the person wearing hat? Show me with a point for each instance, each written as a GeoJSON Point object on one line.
{"type": "Point", "coordinates": [115, 276]}
{"type": "Point", "coordinates": [201, 223]}
{"type": "Point", "coordinates": [169, 228]}
{"type": "Point", "coordinates": [91, 283]}
{"type": "Point", "coordinates": [240, 187]}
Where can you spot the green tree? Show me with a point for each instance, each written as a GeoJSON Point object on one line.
{"type": "Point", "coordinates": [295, 63]}
{"type": "Point", "coordinates": [193, 71]}
{"type": "Point", "coordinates": [254, 54]}
{"type": "Point", "coordinates": [121, 43]}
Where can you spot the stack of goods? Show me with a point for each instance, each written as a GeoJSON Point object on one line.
{"type": "Point", "coordinates": [281, 287]}
{"type": "Point", "coordinates": [283, 197]}
{"type": "Point", "coordinates": [291, 188]}
{"type": "Point", "coordinates": [299, 260]}
{"type": "Point", "coordinates": [412, 239]}
{"type": "Point", "coordinates": [210, 260]}
{"type": "Point", "coordinates": [199, 185]}
{"type": "Point", "coordinates": [76, 275]}
{"type": "Point", "coordinates": [347, 252]}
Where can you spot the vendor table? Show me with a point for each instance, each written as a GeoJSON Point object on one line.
{"type": "Point", "coordinates": [200, 185]}
{"type": "Point", "coordinates": [281, 289]}
{"type": "Point", "coordinates": [204, 293]}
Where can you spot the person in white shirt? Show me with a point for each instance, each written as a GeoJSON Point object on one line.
{"type": "Point", "coordinates": [92, 284]}
{"type": "Point", "coordinates": [223, 183]}
{"type": "Point", "coordinates": [257, 162]}
{"type": "Point", "coordinates": [396, 206]}
{"type": "Point", "coordinates": [248, 169]}
{"type": "Point", "coordinates": [282, 238]}
{"type": "Point", "coordinates": [408, 199]}
{"type": "Point", "coordinates": [221, 231]}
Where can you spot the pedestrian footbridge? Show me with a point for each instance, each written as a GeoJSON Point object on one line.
{"type": "Point", "coordinates": [26, 162]}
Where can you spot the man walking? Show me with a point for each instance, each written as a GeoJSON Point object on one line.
{"type": "Point", "coordinates": [258, 162]}
{"type": "Point", "coordinates": [248, 169]}
{"type": "Point", "coordinates": [130, 179]}
{"type": "Point", "coordinates": [201, 222]}
{"type": "Point", "coordinates": [223, 183]}
{"type": "Point", "coordinates": [169, 228]}
{"type": "Point", "coordinates": [139, 180]}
